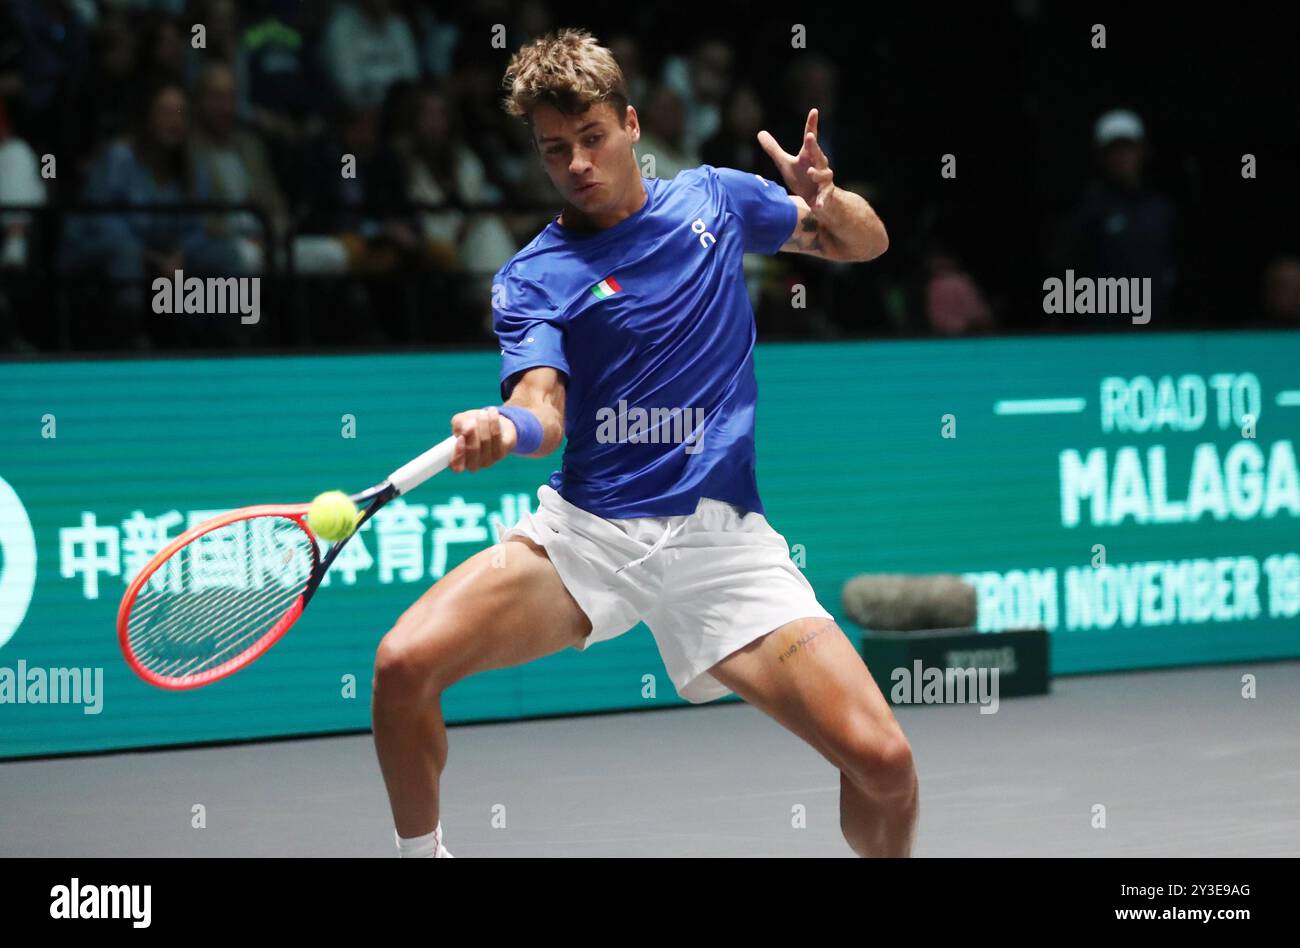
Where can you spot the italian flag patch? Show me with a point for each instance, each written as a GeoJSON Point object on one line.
{"type": "Point", "coordinates": [606, 288]}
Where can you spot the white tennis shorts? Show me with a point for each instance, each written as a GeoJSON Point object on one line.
{"type": "Point", "coordinates": [706, 584]}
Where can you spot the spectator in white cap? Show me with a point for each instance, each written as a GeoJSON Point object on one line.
{"type": "Point", "coordinates": [1120, 137]}
{"type": "Point", "coordinates": [1122, 228]}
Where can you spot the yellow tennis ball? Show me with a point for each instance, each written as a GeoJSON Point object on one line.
{"type": "Point", "coordinates": [332, 516]}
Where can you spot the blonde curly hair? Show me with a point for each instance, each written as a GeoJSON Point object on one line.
{"type": "Point", "coordinates": [567, 69]}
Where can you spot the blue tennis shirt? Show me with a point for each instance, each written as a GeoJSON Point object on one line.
{"type": "Point", "coordinates": [651, 323]}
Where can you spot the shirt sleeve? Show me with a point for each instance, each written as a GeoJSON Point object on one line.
{"type": "Point", "coordinates": [766, 211]}
{"type": "Point", "coordinates": [528, 326]}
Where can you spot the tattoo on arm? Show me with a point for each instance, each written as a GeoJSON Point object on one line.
{"type": "Point", "coordinates": [808, 237]}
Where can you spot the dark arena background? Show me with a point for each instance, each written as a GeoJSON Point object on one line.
{"type": "Point", "coordinates": [1047, 439]}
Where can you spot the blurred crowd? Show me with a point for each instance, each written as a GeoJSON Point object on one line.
{"type": "Point", "coordinates": [366, 171]}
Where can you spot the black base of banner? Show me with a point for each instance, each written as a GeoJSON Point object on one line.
{"type": "Point", "coordinates": [1020, 657]}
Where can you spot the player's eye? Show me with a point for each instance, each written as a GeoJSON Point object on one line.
{"type": "Point", "coordinates": [594, 140]}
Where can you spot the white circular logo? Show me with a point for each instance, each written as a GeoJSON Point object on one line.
{"type": "Point", "coordinates": [17, 562]}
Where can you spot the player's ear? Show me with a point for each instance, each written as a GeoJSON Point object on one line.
{"type": "Point", "coordinates": [633, 125]}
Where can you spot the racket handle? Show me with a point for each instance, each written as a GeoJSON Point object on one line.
{"type": "Point", "coordinates": [414, 473]}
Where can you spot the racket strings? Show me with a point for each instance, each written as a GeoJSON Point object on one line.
{"type": "Point", "coordinates": [223, 593]}
{"type": "Point", "coordinates": [190, 628]}
{"type": "Point", "coordinates": [183, 612]}
{"type": "Point", "coordinates": [202, 629]}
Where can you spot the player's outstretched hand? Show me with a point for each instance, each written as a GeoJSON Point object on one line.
{"type": "Point", "coordinates": [483, 437]}
{"type": "Point", "coordinates": [807, 174]}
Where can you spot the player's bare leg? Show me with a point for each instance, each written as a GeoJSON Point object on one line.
{"type": "Point", "coordinates": [808, 677]}
{"type": "Point", "coordinates": [503, 606]}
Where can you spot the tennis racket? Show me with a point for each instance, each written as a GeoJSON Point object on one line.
{"type": "Point", "coordinates": [216, 598]}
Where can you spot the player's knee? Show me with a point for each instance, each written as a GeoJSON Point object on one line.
{"type": "Point", "coordinates": [398, 674]}
{"type": "Point", "coordinates": [409, 670]}
{"type": "Point", "coordinates": [879, 761]}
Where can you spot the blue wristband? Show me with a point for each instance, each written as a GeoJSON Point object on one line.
{"type": "Point", "coordinates": [527, 426]}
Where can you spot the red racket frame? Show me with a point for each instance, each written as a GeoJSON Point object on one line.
{"type": "Point", "coordinates": [295, 512]}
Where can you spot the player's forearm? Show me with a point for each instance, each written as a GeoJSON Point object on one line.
{"type": "Point", "coordinates": [552, 424]}
{"type": "Point", "coordinates": [541, 391]}
{"type": "Point", "coordinates": [851, 231]}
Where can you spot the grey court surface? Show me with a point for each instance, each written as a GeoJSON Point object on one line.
{"type": "Point", "coordinates": [1183, 764]}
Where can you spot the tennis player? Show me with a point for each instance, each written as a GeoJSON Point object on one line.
{"type": "Point", "coordinates": [625, 326]}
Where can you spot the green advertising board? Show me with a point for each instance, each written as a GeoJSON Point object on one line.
{"type": "Point", "coordinates": [1137, 495]}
